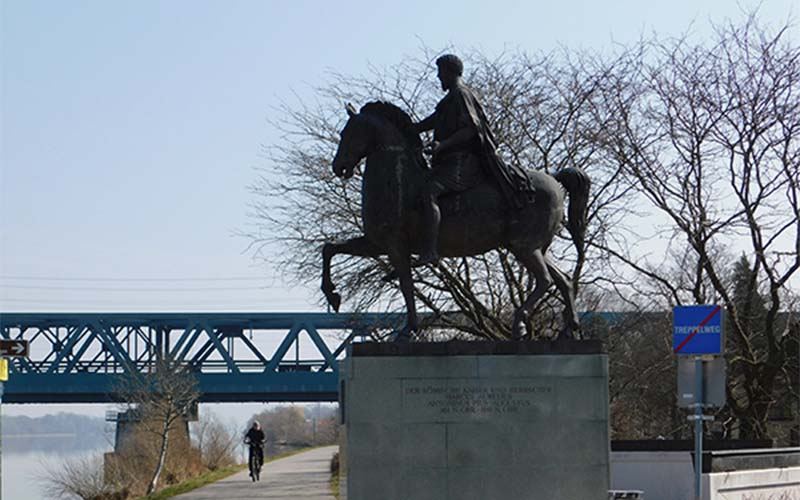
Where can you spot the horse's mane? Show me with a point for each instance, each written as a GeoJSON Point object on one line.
{"type": "Point", "coordinates": [396, 117]}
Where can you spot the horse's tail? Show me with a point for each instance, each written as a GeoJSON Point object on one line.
{"type": "Point", "coordinates": [577, 184]}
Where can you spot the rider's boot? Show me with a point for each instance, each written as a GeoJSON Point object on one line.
{"type": "Point", "coordinates": [432, 218]}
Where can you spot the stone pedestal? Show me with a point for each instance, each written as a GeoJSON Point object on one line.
{"type": "Point", "coordinates": [475, 420]}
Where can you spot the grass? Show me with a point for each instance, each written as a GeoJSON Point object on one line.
{"type": "Point", "coordinates": [336, 470]}
{"type": "Point", "coordinates": [195, 482]}
{"type": "Point", "coordinates": [209, 477]}
{"type": "Point", "coordinates": [335, 485]}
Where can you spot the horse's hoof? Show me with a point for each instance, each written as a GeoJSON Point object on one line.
{"type": "Point", "coordinates": [518, 326]}
{"type": "Point", "coordinates": [403, 336]}
{"type": "Point", "coordinates": [571, 323]}
{"type": "Point", "coordinates": [334, 300]}
{"type": "Point", "coordinates": [430, 259]}
{"type": "Point", "coordinates": [566, 334]}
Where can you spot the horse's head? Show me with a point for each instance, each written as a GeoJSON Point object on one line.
{"type": "Point", "coordinates": [354, 144]}
{"type": "Point", "coordinates": [378, 124]}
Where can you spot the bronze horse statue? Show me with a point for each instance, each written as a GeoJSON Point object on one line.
{"type": "Point", "coordinates": [473, 222]}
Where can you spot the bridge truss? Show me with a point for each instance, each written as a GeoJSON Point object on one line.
{"type": "Point", "coordinates": [81, 357]}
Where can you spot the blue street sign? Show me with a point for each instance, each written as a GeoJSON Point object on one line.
{"type": "Point", "coordinates": [697, 330]}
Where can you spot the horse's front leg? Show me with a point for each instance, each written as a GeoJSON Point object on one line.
{"type": "Point", "coordinates": [356, 246]}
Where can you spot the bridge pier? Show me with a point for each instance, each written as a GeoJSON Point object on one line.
{"type": "Point", "coordinates": [126, 422]}
{"type": "Point", "coordinates": [131, 447]}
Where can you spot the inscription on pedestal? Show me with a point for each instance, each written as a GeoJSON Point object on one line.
{"type": "Point", "coordinates": [457, 399]}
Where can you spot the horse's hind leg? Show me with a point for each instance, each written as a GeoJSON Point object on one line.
{"type": "Point", "coordinates": [564, 286]}
{"type": "Point", "coordinates": [356, 246]}
{"type": "Point", "coordinates": [535, 263]}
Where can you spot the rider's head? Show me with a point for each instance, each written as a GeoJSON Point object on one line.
{"type": "Point", "coordinates": [256, 425]}
{"type": "Point", "coordinates": [450, 70]}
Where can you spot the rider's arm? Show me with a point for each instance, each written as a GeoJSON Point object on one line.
{"type": "Point", "coordinates": [426, 124]}
{"type": "Point", "coordinates": [463, 135]}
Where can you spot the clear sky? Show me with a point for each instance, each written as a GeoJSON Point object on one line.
{"type": "Point", "coordinates": [130, 129]}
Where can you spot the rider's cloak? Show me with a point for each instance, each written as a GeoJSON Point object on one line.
{"type": "Point", "coordinates": [461, 108]}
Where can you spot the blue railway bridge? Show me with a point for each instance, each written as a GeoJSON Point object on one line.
{"type": "Point", "coordinates": [80, 357]}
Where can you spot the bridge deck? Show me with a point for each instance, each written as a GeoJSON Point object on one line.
{"type": "Point", "coordinates": [81, 357]}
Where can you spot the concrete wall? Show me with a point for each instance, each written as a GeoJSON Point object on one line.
{"type": "Point", "coordinates": [764, 484]}
{"type": "Point", "coordinates": [662, 475]}
{"type": "Point", "coordinates": [669, 475]}
{"type": "Point", "coordinates": [522, 427]}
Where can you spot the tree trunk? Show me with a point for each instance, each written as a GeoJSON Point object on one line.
{"type": "Point", "coordinates": [162, 458]}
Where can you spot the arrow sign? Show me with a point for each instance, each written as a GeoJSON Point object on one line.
{"type": "Point", "coordinates": [14, 348]}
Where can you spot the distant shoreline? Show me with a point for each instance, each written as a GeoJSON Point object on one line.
{"type": "Point", "coordinates": [42, 435]}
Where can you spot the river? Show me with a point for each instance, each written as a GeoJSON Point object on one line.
{"type": "Point", "coordinates": [26, 460]}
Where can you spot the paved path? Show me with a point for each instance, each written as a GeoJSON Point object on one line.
{"type": "Point", "coordinates": [304, 476]}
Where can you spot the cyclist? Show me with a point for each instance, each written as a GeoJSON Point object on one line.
{"type": "Point", "coordinates": [255, 439]}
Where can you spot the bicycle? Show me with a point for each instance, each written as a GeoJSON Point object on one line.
{"type": "Point", "coordinates": [255, 459]}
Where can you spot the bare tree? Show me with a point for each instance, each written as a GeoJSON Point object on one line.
{"type": "Point", "coordinates": [642, 373]}
{"type": "Point", "coordinates": [216, 442]}
{"type": "Point", "coordinates": [710, 137]}
{"type": "Point", "coordinates": [80, 477]}
{"type": "Point", "coordinates": [285, 424]}
{"type": "Point", "coordinates": [692, 149]}
{"type": "Point", "coordinates": [326, 431]}
{"type": "Point", "coordinates": [161, 399]}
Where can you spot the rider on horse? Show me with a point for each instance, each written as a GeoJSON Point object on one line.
{"type": "Point", "coordinates": [464, 153]}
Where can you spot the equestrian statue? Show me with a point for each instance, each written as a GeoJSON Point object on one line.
{"type": "Point", "coordinates": [467, 203]}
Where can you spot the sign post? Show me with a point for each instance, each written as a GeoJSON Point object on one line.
{"type": "Point", "coordinates": [698, 428]}
{"type": "Point", "coordinates": [2, 388]}
{"type": "Point", "coordinates": [12, 348]}
{"type": "Point", "coordinates": [697, 331]}
{"type": "Point", "coordinates": [713, 381]}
